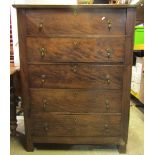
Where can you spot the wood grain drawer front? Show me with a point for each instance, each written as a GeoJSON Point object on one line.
{"type": "Point", "coordinates": [76, 101]}
{"type": "Point", "coordinates": [76, 125]}
{"type": "Point", "coordinates": [72, 21]}
{"type": "Point", "coordinates": [107, 49]}
{"type": "Point", "coordinates": [75, 76]}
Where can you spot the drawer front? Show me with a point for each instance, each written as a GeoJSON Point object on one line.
{"type": "Point", "coordinates": [76, 101]}
{"type": "Point", "coordinates": [76, 125]}
{"type": "Point", "coordinates": [107, 49]}
{"type": "Point", "coordinates": [75, 76]}
{"type": "Point", "coordinates": [76, 21]}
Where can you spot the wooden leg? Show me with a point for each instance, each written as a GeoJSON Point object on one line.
{"type": "Point", "coordinates": [29, 146]}
{"type": "Point", "coordinates": [13, 120]}
{"type": "Point", "coordinates": [122, 148]}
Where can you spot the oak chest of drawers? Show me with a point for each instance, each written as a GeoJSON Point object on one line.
{"type": "Point", "coordinates": [75, 71]}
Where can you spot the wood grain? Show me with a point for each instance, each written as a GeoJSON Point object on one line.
{"type": "Point", "coordinates": [76, 49]}
{"type": "Point", "coordinates": [127, 75]}
{"type": "Point", "coordinates": [76, 101]}
{"type": "Point", "coordinates": [75, 76]}
{"type": "Point", "coordinates": [24, 76]}
{"type": "Point", "coordinates": [75, 125]}
{"type": "Point", "coordinates": [75, 21]}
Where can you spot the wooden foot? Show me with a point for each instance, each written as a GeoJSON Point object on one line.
{"type": "Point", "coordinates": [29, 147]}
{"type": "Point", "coordinates": [122, 148]}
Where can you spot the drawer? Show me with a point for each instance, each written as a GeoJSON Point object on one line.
{"type": "Point", "coordinates": [76, 101]}
{"type": "Point", "coordinates": [76, 125]}
{"type": "Point", "coordinates": [75, 76]}
{"type": "Point", "coordinates": [75, 21]}
{"type": "Point", "coordinates": [107, 49]}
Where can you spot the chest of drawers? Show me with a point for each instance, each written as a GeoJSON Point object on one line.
{"type": "Point", "coordinates": [75, 72]}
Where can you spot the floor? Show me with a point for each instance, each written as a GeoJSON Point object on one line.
{"type": "Point", "coordinates": [135, 141]}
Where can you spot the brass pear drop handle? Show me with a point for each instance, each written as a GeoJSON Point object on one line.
{"type": "Point", "coordinates": [43, 80]}
{"type": "Point", "coordinates": [42, 52]}
{"type": "Point", "coordinates": [109, 24]}
{"type": "Point", "coordinates": [108, 52]}
{"type": "Point", "coordinates": [106, 127]}
{"type": "Point", "coordinates": [45, 103]}
{"type": "Point", "coordinates": [40, 27]}
{"type": "Point", "coordinates": [107, 105]}
{"type": "Point", "coordinates": [108, 79]}
{"type": "Point", "coordinates": [74, 68]}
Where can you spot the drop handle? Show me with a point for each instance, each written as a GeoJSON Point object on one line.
{"type": "Point", "coordinates": [108, 79]}
{"type": "Point", "coordinates": [43, 79]}
{"type": "Point", "coordinates": [106, 129]}
{"type": "Point", "coordinates": [109, 24]}
{"type": "Point", "coordinates": [40, 27]}
{"type": "Point", "coordinates": [106, 126]}
{"type": "Point", "coordinates": [108, 52]}
{"type": "Point", "coordinates": [46, 128]}
{"type": "Point", "coordinates": [74, 69]}
{"type": "Point", "coordinates": [42, 52]}
{"type": "Point", "coordinates": [45, 104]}
{"type": "Point", "coordinates": [107, 104]}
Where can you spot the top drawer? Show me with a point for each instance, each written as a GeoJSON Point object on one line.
{"type": "Point", "coordinates": [76, 21]}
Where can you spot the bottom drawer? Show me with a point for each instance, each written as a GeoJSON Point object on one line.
{"type": "Point", "coordinates": [76, 125]}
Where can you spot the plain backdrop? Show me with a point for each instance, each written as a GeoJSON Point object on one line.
{"type": "Point", "coordinates": [149, 76]}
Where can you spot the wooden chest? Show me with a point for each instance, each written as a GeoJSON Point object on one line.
{"type": "Point", "coordinates": [75, 71]}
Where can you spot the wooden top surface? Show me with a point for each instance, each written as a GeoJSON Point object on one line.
{"type": "Point", "coordinates": [73, 6]}
{"type": "Point", "coordinates": [13, 68]}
